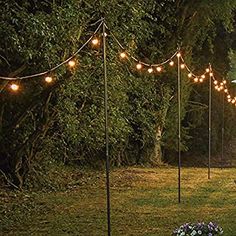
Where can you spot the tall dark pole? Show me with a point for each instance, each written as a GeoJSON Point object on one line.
{"type": "Point", "coordinates": [223, 129]}
{"type": "Point", "coordinates": [209, 122]}
{"type": "Point", "coordinates": [179, 131]}
{"type": "Point", "coordinates": [106, 132]}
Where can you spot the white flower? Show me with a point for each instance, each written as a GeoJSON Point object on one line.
{"type": "Point", "coordinates": [182, 234]}
{"type": "Point", "coordinates": [194, 233]}
{"type": "Point", "coordinates": [199, 232]}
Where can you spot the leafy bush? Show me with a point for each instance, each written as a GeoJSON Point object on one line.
{"type": "Point", "coordinates": [192, 229]}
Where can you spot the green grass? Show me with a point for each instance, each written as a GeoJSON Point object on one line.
{"type": "Point", "coordinates": [143, 202]}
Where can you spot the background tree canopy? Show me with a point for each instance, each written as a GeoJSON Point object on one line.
{"type": "Point", "coordinates": [65, 121]}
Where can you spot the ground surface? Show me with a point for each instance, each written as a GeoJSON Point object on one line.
{"type": "Point", "coordinates": [143, 202]}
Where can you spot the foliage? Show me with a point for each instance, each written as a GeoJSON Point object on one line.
{"type": "Point", "coordinates": [203, 229]}
{"type": "Point", "coordinates": [66, 121]}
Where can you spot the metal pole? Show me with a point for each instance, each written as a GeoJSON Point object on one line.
{"type": "Point", "coordinates": [223, 129]}
{"type": "Point", "coordinates": [179, 132]}
{"type": "Point", "coordinates": [209, 117]}
{"type": "Point", "coordinates": [106, 132]}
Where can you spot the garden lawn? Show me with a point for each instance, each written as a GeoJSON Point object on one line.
{"type": "Point", "coordinates": [143, 202]}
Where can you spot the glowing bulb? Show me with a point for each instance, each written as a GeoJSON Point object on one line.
{"type": "Point", "coordinates": [216, 87]}
{"type": "Point", "coordinates": [71, 63]}
{"type": "Point", "coordinates": [211, 74]}
{"type": "Point", "coordinates": [226, 90]}
{"type": "Point", "coordinates": [171, 63]}
{"type": "Point", "coordinates": [150, 70]}
{"type": "Point", "coordinates": [207, 70]}
{"type": "Point", "coordinates": [228, 96]}
{"type": "Point", "coordinates": [159, 69]}
{"type": "Point", "coordinates": [182, 66]}
{"type": "Point", "coordinates": [201, 80]}
{"type": "Point", "coordinates": [203, 76]}
{"type": "Point", "coordinates": [196, 79]}
{"type": "Point", "coordinates": [14, 87]}
{"type": "Point", "coordinates": [233, 101]}
{"type": "Point", "coordinates": [215, 82]}
{"type": "Point", "coordinates": [48, 79]}
{"type": "Point", "coordinates": [139, 66]}
{"type": "Point", "coordinates": [224, 82]}
{"type": "Point", "coordinates": [95, 41]}
{"type": "Point", "coordinates": [190, 75]}
{"type": "Point", "coordinates": [123, 55]}
{"type": "Point", "coordinates": [178, 54]}
{"type": "Point", "coordinates": [219, 89]}
{"type": "Point", "coordinates": [229, 100]}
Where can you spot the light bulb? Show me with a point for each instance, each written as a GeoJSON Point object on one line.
{"type": "Point", "coordinates": [14, 87]}
{"type": "Point", "coordinates": [150, 70]}
{"type": "Point", "coordinates": [226, 90]}
{"type": "Point", "coordinates": [182, 66]}
{"type": "Point", "coordinates": [228, 96]}
{"type": "Point", "coordinates": [203, 76]}
{"type": "Point", "coordinates": [139, 66]}
{"type": "Point", "coordinates": [190, 75]}
{"type": "Point", "coordinates": [71, 63]}
{"type": "Point", "coordinates": [215, 82]}
{"type": "Point", "coordinates": [171, 63]}
{"type": "Point", "coordinates": [195, 79]}
{"type": "Point", "coordinates": [229, 100]}
{"type": "Point", "coordinates": [224, 82]}
{"type": "Point", "coordinates": [207, 70]}
{"type": "Point", "coordinates": [211, 74]}
{"type": "Point", "coordinates": [201, 80]}
{"type": "Point", "coordinates": [178, 54]}
{"type": "Point", "coordinates": [216, 87]}
{"type": "Point", "coordinates": [95, 41]}
{"type": "Point", "coordinates": [123, 55]}
{"type": "Point", "coordinates": [48, 79]}
{"type": "Point", "coordinates": [159, 69]}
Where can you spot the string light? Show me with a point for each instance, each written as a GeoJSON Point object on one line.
{"type": "Point", "coordinates": [149, 68]}
{"type": "Point", "coordinates": [95, 41]}
{"type": "Point", "coordinates": [48, 79]}
{"type": "Point", "coordinates": [178, 54]}
{"type": "Point", "coordinates": [139, 66]}
{"type": "Point", "coordinates": [14, 87]}
{"type": "Point", "coordinates": [123, 55]}
{"type": "Point", "coordinates": [171, 63]}
{"type": "Point", "coordinates": [71, 63]}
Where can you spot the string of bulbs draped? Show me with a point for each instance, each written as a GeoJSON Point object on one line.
{"type": "Point", "coordinates": [140, 65]}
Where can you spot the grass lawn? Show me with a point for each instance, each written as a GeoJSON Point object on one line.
{"type": "Point", "coordinates": [143, 202]}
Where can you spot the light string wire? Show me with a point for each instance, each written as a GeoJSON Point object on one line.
{"type": "Point", "coordinates": [222, 86]}
{"type": "Point", "coordinates": [219, 86]}
{"type": "Point", "coordinates": [135, 58]}
{"type": "Point", "coordinates": [62, 63]}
